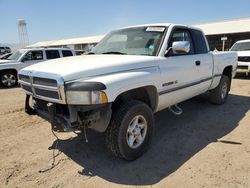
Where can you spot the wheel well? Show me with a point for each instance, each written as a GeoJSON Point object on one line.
{"type": "Point", "coordinates": [147, 94]}
{"type": "Point", "coordinates": [228, 72]}
{"type": "Point", "coordinates": [7, 70]}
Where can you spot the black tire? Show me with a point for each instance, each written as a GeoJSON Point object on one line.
{"type": "Point", "coordinates": [219, 94]}
{"type": "Point", "coordinates": [117, 131]}
{"type": "Point", "coordinates": [8, 79]}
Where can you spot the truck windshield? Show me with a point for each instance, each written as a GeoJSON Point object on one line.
{"type": "Point", "coordinates": [244, 46]}
{"type": "Point", "coordinates": [132, 41]}
{"type": "Point", "coordinates": [15, 56]}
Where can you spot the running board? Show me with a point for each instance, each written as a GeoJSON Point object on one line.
{"type": "Point", "coordinates": [176, 110]}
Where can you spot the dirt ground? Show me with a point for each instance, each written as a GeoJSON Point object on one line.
{"type": "Point", "coordinates": [207, 146]}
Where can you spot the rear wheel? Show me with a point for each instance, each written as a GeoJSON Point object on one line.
{"type": "Point", "coordinates": [220, 93]}
{"type": "Point", "coordinates": [8, 79]}
{"type": "Point", "coordinates": [130, 130]}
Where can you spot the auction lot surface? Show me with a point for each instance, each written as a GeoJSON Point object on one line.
{"type": "Point", "coordinates": [207, 146]}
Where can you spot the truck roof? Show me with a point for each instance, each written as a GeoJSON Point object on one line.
{"type": "Point", "coordinates": [243, 41]}
{"type": "Point", "coordinates": [161, 25]}
{"type": "Point", "coordinates": [26, 49]}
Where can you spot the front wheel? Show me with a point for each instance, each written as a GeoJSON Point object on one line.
{"type": "Point", "coordinates": [130, 130]}
{"type": "Point", "coordinates": [8, 79]}
{"type": "Point", "coordinates": [220, 93]}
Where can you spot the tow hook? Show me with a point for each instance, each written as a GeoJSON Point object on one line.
{"type": "Point", "coordinates": [176, 110]}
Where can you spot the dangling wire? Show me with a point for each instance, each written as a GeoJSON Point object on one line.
{"type": "Point", "coordinates": [53, 164]}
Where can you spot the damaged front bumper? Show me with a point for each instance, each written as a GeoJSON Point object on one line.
{"type": "Point", "coordinates": [64, 118]}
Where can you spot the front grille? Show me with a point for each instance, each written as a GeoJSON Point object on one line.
{"type": "Point", "coordinates": [27, 88]}
{"type": "Point", "coordinates": [242, 67]}
{"type": "Point", "coordinates": [46, 93]}
{"type": "Point", "coordinates": [43, 88]}
{"type": "Point", "coordinates": [244, 58]}
{"type": "Point", "coordinates": [44, 81]}
{"type": "Point", "coordinates": [24, 78]}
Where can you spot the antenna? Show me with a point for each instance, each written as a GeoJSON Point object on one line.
{"type": "Point", "coordinates": [23, 33]}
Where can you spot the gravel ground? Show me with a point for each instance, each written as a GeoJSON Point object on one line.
{"type": "Point", "coordinates": [207, 146]}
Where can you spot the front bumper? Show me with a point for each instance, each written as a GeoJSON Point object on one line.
{"type": "Point", "coordinates": [64, 118]}
{"type": "Point", "coordinates": [56, 114]}
{"type": "Point", "coordinates": [243, 66]}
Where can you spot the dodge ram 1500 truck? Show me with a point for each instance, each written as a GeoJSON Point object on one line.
{"type": "Point", "coordinates": [132, 73]}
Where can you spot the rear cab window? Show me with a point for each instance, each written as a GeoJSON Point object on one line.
{"type": "Point", "coordinates": [67, 53]}
{"type": "Point", "coordinates": [52, 54]}
{"type": "Point", "coordinates": [200, 43]}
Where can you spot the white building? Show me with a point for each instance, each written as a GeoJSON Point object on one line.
{"type": "Point", "coordinates": [81, 44]}
{"type": "Point", "coordinates": [231, 30]}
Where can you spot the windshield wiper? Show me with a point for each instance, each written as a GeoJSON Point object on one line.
{"type": "Point", "coordinates": [113, 52]}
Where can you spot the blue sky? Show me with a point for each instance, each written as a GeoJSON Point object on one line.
{"type": "Point", "coordinates": [58, 19]}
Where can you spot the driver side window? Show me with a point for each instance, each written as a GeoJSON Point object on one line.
{"type": "Point", "coordinates": [33, 55]}
{"type": "Point", "coordinates": [181, 35]}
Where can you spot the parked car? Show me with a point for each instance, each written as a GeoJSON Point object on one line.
{"type": "Point", "coordinates": [4, 50]}
{"type": "Point", "coordinates": [242, 47]}
{"type": "Point", "coordinates": [5, 56]}
{"type": "Point", "coordinates": [26, 57]}
{"type": "Point", "coordinates": [132, 73]}
{"type": "Point", "coordinates": [7, 49]}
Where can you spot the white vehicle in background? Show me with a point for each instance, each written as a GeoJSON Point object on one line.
{"type": "Point", "coordinates": [26, 57]}
{"type": "Point", "coordinates": [242, 47]}
{"type": "Point", "coordinates": [5, 56]}
{"type": "Point", "coordinates": [4, 50]}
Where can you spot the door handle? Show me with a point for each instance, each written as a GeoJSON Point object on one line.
{"type": "Point", "coordinates": [197, 63]}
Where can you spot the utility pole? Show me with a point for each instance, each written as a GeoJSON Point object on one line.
{"type": "Point", "coordinates": [223, 42]}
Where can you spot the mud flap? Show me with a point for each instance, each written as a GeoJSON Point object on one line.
{"type": "Point", "coordinates": [29, 110]}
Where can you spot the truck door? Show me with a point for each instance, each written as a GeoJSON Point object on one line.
{"type": "Point", "coordinates": [32, 57]}
{"type": "Point", "coordinates": [179, 75]}
{"type": "Point", "coordinates": [205, 66]}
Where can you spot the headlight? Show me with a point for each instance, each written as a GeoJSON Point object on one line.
{"type": "Point", "coordinates": [86, 97]}
{"type": "Point", "coordinates": [85, 93]}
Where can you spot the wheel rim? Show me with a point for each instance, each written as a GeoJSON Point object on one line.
{"type": "Point", "coordinates": [137, 131]}
{"type": "Point", "coordinates": [8, 80]}
{"type": "Point", "coordinates": [224, 90]}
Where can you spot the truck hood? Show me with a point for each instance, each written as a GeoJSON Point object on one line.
{"type": "Point", "coordinates": [86, 66]}
{"type": "Point", "coordinates": [6, 61]}
{"type": "Point", "coordinates": [243, 53]}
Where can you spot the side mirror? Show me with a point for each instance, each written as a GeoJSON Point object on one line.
{"type": "Point", "coordinates": [179, 47]}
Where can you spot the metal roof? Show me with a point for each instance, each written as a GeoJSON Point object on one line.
{"type": "Point", "coordinates": [81, 40]}
{"type": "Point", "coordinates": [227, 26]}
{"type": "Point", "coordinates": [214, 28]}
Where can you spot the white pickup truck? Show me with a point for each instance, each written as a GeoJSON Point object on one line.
{"type": "Point", "coordinates": [26, 57]}
{"type": "Point", "coordinates": [242, 47]}
{"type": "Point", "coordinates": [131, 74]}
